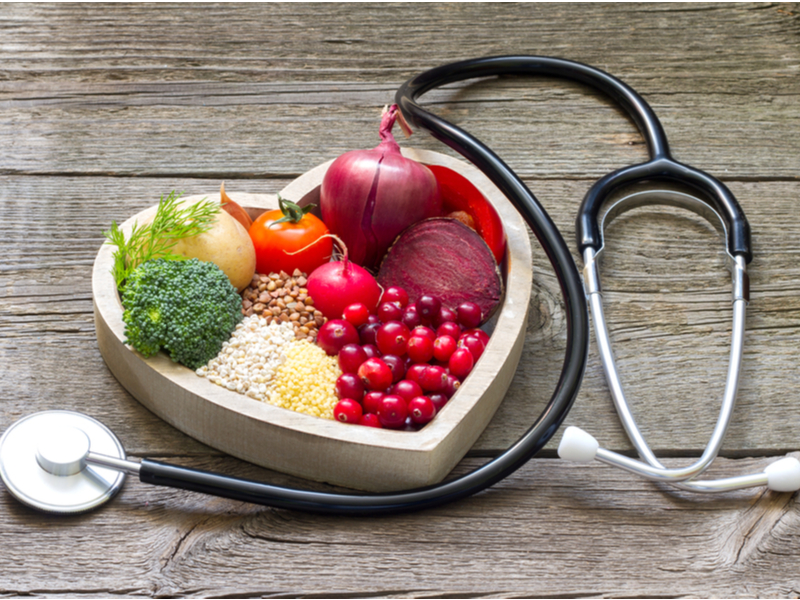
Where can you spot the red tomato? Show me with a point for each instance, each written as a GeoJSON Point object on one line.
{"type": "Point", "coordinates": [458, 194]}
{"type": "Point", "coordinates": [275, 243]}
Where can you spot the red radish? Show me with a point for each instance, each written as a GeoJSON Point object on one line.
{"type": "Point", "coordinates": [335, 286]}
{"type": "Point", "coordinates": [369, 196]}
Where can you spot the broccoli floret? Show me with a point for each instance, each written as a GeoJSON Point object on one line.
{"type": "Point", "coordinates": [186, 307]}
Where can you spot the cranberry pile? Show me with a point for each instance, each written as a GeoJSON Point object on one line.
{"type": "Point", "coordinates": [402, 364]}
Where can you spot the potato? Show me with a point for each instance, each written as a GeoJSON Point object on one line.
{"type": "Point", "coordinates": [227, 244]}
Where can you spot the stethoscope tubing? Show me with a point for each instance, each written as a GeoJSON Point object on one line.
{"type": "Point", "coordinates": [576, 316]}
{"type": "Point", "coordinates": [533, 440]}
{"type": "Point", "coordinates": [659, 167]}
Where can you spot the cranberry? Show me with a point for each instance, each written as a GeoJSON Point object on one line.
{"type": "Point", "coordinates": [375, 374]}
{"type": "Point", "coordinates": [446, 315]}
{"type": "Point", "coordinates": [482, 335]}
{"type": "Point", "coordinates": [449, 328]}
{"type": "Point", "coordinates": [389, 311]}
{"type": "Point", "coordinates": [396, 295]}
{"type": "Point", "coordinates": [411, 317]}
{"type": "Point", "coordinates": [461, 363]}
{"type": "Point", "coordinates": [428, 307]}
{"type": "Point", "coordinates": [414, 371]}
{"type": "Point", "coordinates": [347, 410]}
{"type": "Point", "coordinates": [420, 349]}
{"type": "Point", "coordinates": [357, 314]}
{"type": "Point", "coordinates": [407, 389]}
{"type": "Point", "coordinates": [443, 347]}
{"type": "Point", "coordinates": [335, 334]}
{"type": "Point", "coordinates": [366, 333]}
{"type": "Point", "coordinates": [397, 365]}
{"type": "Point", "coordinates": [472, 343]}
{"type": "Point", "coordinates": [452, 385]}
{"type": "Point", "coordinates": [349, 386]}
{"type": "Point", "coordinates": [392, 338]}
{"type": "Point", "coordinates": [350, 358]}
{"type": "Point", "coordinates": [433, 378]}
{"type": "Point", "coordinates": [469, 315]}
{"type": "Point", "coordinates": [421, 409]}
{"type": "Point", "coordinates": [424, 331]}
{"type": "Point", "coordinates": [370, 420]}
{"type": "Point", "coordinates": [371, 401]}
{"type": "Point", "coordinates": [439, 400]}
{"type": "Point", "coordinates": [392, 412]}
{"type": "Point", "coordinates": [371, 350]}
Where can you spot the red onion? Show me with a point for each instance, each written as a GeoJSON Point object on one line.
{"type": "Point", "coordinates": [369, 196]}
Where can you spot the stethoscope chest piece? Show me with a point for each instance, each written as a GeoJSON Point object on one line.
{"type": "Point", "coordinates": [43, 462]}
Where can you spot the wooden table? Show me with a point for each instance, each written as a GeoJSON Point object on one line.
{"type": "Point", "coordinates": [105, 108]}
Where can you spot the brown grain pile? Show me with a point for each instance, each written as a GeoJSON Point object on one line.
{"type": "Point", "coordinates": [280, 297]}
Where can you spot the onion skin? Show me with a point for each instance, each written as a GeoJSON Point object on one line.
{"type": "Point", "coordinates": [368, 197]}
{"type": "Point", "coordinates": [234, 209]}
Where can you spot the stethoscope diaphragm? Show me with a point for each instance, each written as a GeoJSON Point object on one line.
{"type": "Point", "coordinates": [43, 462]}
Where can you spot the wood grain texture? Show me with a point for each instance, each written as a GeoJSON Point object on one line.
{"type": "Point", "coordinates": [591, 531]}
{"type": "Point", "coordinates": [105, 107]}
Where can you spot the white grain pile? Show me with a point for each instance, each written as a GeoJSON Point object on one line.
{"type": "Point", "coordinates": [248, 361]}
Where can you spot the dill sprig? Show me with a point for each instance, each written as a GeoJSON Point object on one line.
{"type": "Point", "coordinates": [157, 238]}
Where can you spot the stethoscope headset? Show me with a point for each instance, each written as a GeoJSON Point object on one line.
{"type": "Point", "coordinates": [35, 466]}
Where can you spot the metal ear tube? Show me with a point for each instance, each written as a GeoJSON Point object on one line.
{"type": "Point", "coordinates": [577, 445]}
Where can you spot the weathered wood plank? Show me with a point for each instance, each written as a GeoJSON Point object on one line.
{"type": "Point", "coordinates": [550, 530]}
{"type": "Point", "coordinates": [146, 88]}
{"type": "Point", "coordinates": [257, 94]}
{"type": "Point", "coordinates": [551, 131]}
{"type": "Point", "coordinates": [747, 46]}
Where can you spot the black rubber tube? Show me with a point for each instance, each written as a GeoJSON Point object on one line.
{"type": "Point", "coordinates": [660, 167]}
{"type": "Point", "coordinates": [576, 316]}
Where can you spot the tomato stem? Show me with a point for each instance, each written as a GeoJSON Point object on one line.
{"type": "Point", "coordinates": [292, 213]}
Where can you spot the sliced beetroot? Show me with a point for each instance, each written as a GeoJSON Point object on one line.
{"type": "Point", "coordinates": [444, 258]}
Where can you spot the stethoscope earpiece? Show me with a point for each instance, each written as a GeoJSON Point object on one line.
{"type": "Point", "coordinates": [783, 475]}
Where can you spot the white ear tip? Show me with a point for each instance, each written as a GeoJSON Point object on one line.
{"type": "Point", "coordinates": [784, 475]}
{"type": "Point", "coordinates": [577, 446]}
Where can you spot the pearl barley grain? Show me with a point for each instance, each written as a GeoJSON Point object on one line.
{"type": "Point", "coordinates": [250, 358]}
{"type": "Point", "coordinates": [266, 362]}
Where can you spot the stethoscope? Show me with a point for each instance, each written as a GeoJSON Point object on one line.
{"type": "Point", "coordinates": [67, 462]}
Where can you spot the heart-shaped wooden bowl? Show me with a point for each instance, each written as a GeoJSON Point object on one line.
{"type": "Point", "coordinates": [323, 450]}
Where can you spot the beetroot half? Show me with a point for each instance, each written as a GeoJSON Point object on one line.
{"type": "Point", "coordinates": [444, 258]}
